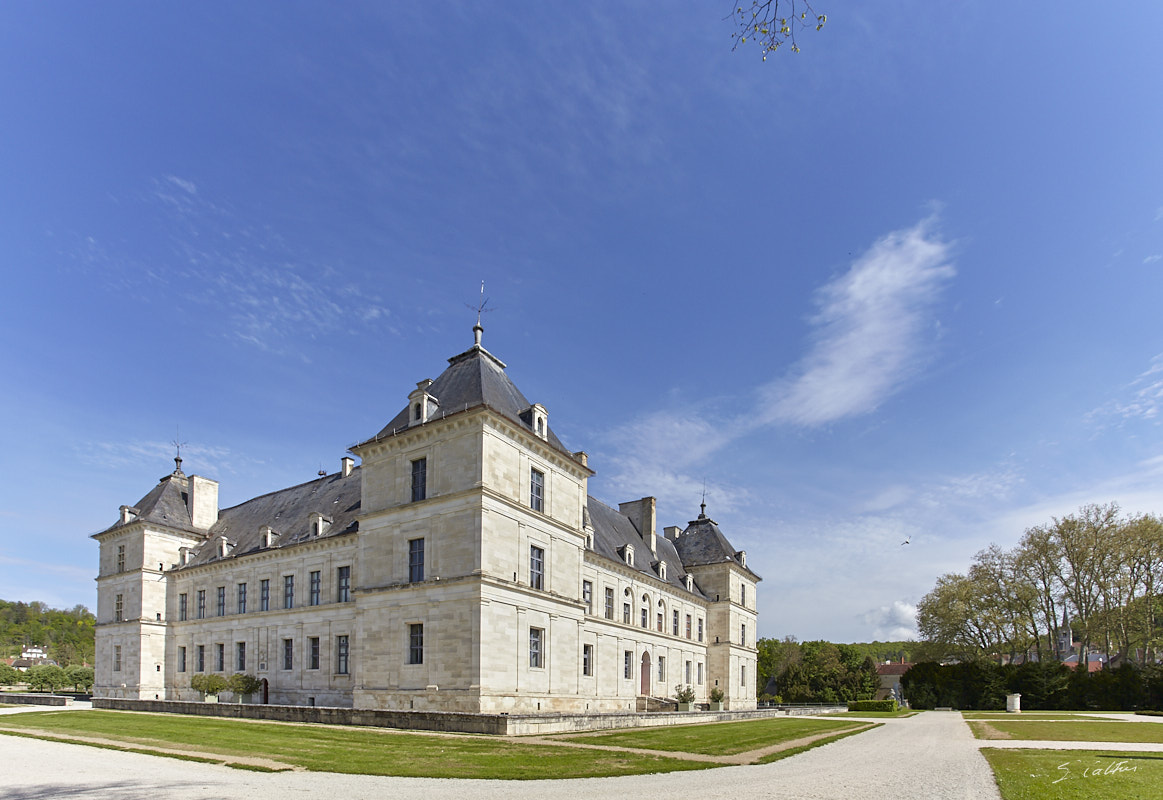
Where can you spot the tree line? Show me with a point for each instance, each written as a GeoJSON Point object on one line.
{"type": "Point", "coordinates": [67, 636]}
{"type": "Point", "coordinates": [1102, 569]}
{"type": "Point", "coordinates": [818, 671]}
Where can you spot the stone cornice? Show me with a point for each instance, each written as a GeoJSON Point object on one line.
{"type": "Point", "coordinates": [337, 541]}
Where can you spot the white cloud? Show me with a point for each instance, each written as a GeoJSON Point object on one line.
{"type": "Point", "coordinates": [187, 186]}
{"type": "Point", "coordinates": [871, 331]}
{"type": "Point", "coordinates": [1143, 396]}
{"type": "Point", "coordinates": [1151, 259]}
{"type": "Point", "coordinates": [892, 623]}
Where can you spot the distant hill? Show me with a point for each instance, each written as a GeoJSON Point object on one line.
{"type": "Point", "coordinates": [67, 635]}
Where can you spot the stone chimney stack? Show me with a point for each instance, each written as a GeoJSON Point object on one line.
{"type": "Point", "coordinates": [642, 514]}
{"type": "Point", "coordinates": [346, 465]}
{"type": "Point", "coordinates": [203, 502]}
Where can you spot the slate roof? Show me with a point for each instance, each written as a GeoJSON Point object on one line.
{"type": "Point", "coordinates": [288, 512]}
{"type": "Point", "coordinates": [703, 543]}
{"type": "Point", "coordinates": [474, 378]}
{"type": "Point", "coordinates": [166, 504]}
{"type": "Point", "coordinates": [613, 530]}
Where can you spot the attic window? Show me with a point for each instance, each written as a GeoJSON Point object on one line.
{"type": "Point", "coordinates": [589, 541]}
{"type": "Point", "coordinates": [629, 555]}
{"type": "Point", "coordinates": [662, 570]}
{"type": "Point", "coordinates": [741, 557]}
{"type": "Point", "coordinates": [690, 583]}
{"type": "Point", "coordinates": [417, 411]}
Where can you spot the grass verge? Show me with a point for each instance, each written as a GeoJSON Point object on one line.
{"type": "Point", "coordinates": [364, 751]}
{"type": "Point", "coordinates": [717, 739]}
{"type": "Point", "coordinates": [1070, 774]}
{"type": "Point", "coordinates": [1080, 730]}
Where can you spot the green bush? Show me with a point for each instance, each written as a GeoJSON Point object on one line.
{"type": "Point", "coordinates": [208, 683]}
{"type": "Point", "coordinates": [716, 695]}
{"type": "Point", "coordinates": [242, 684]}
{"type": "Point", "coordinates": [684, 694]}
{"type": "Point", "coordinates": [889, 706]}
{"type": "Point", "coordinates": [80, 678]}
{"type": "Point", "coordinates": [46, 678]}
{"type": "Point", "coordinates": [9, 675]}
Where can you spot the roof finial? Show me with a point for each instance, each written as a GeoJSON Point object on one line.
{"type": "Point", "coordinates": [177, 443]}
{"type": "Point", "coordinates": [703, 505]}
{"type": "Point", "coordinates": [477, 330]}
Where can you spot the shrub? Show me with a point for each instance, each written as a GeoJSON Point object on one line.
{"type": "Point", "coordinates": [208, 683]}
{"type": "Point", "coordinates": [80, 678]}
{"type": "Point", "coordinates": [716, 695]}
{"type": "Point", "coordinates": [9, 675]}
{"type": "Point", "coordinates": [46, 678]}
{"type": "Point", "coordinates": [872, 705]}
{"type": "Point", "coordinates": [242, 684]}
{"type": "Point", "coordinates": [684, 694]}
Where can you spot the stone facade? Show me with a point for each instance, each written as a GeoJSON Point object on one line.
{"type": "Point", "coordinates": [461, 567]}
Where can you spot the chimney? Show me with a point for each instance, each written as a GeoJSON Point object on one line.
{"type": "Point", "coordinates": [672, 532]}
{"type": "Point", "coordinates": [583, 457]}
{"type": "Point", "coordinates": [641, 513]}
{"type": "Point", "coordinates": [346, 465]}
{"type": "Point", "coordinates": [203, 502]}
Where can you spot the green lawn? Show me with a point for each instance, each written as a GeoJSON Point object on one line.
{"type": "Point", "coordinates": [350, 750]}
{"type": "Point", "coordinates": [718, 739]}
{"type": "Point", "coordinates": [1068, 730]}
{"type": "Point", "coordinates": [991, 715]}
{"type": "Point", "coordinates": [1070, 774]}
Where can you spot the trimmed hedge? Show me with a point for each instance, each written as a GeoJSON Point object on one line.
{"type": "Point", "coordinates": [872, 705]}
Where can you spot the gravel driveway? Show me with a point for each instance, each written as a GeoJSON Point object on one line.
{"type": "Point", "coordinates": [932, 755]}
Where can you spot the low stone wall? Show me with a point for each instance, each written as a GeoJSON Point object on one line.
{"type": "Point", "coordinates": [453, 722]}
{"type": "Point", "coordinates": [33, 699]}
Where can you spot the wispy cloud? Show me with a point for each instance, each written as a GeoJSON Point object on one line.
{"type": "Point", "coordinates": [1141, 399]}
{"type": "Point", "coordinates": [892, 623]}
{"type": "Point", "coordinates": [1151, 259]}
{"type": "Point", "coordinates": [202, 459]}
{"type": "Point", "coordinates": [873, 331]}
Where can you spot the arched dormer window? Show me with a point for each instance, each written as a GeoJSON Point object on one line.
{"type": "Point", "coordinates": [662, 570]}
{"type": "Point", "coordinates": [417, 411]}
{"type": "Point", "coordinates": [690, 583]}
{"type": "Point", "coordinates": [630, 555]}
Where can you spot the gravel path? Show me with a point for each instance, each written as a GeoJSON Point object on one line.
{"type": "Point", "coordinates": [931, 755]}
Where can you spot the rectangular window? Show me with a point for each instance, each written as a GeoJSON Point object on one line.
{"type": "Point", "coordinates": [416, 643]}
{"type": "Point", "coordinates": [181, 659]}
{"type": "Point", "coordinates": [536, 636]}
{"type": "Point", "coordinates": [536, 567]}
{"type": "Point", "coordinates": [743, 634]}
{"type": "Point", "coordinates": [240, 656]}
{"type": "Point", "coordinates": [536, 490]}
{"type": "Point", "coordinates": [743, 676]}
{"type": "Point", "coordinates": [688, 626]}
{"type": "Point", "coordinates": [588, 596]}
{"type": "Point", "coordinates": [264, 595]}
{"type": "Point", "coordinates": [688, 672]}
{"type": "Point", "coordinates": [182, 608]}
{"type": "Point", "coordinates": [645, 617]}
{"type": "Point", "coordinates": [627, 664]}
{"type": "Point", "coordinates": [200, 658]}
{"type": "Point", "coordinates": [288, 653]}
{"type": "Point", "coordinates": [121, 558]}
{"type": "Point", "coordinates": [626, 613]}
{"type": "Point", "coordinates": [587, 659]}
{"type": "Point", "coordinates": [117, 658]}
{"type": "Point", "coordinates": [288, 591]}
{"type": "Point", "coordinates": [658, 622]}
{"type": "Point", "coordinates": [343, 585]}
{"type": "Point", "coordinates": [316, 588]}
{"type": "Point", "coordinates": [219, 657]}
{"type": "Point", "coordinates": [609, 602]}
{"type": "Point", "coordinates": [415, 560]}
{"type": "Point", "coordinates": [674, 623]}
{"type": "Point", "coordinates": [341, 655]}
{"type": "Point", "coordinates": [221, 597]}
{"type": "Point", "coordinates": [242, 598]}
{"type": "Point", "coordinates": [201, 604]}
{"type": "Point", "coordinates": [743, 595]}
{"type": "Point", "coordinates": [419, 479]}
{"type": "Point", "coordinates": [700, 673]}
{"type": "Point", "coordinates": [662, 670]}
{"type": "Point", "coordinates": [118, 608]}
{"type": "Point", "coordinates": [700, 630]}
{"type": "Point", "coordinates": [313, 653]}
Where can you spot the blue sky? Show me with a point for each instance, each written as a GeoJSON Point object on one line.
{"type": "Point", "coordinates": [903, 284]}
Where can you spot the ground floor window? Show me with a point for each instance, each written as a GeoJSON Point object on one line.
{"type": "Point", "coordinates": [416, 643]}
{"type": "Point", "coordinates": [313, 653]}
{"type": "Point", "coordinates": [288, 653]}
{"type": "Point", "coordinates": [536, 647]}
{"type": "Point", "coordinates": [587, 659]}
{"type": "Point", "coordinates": [181, 659]}
{"type": "Point", "coordinates": [117, 658]}
{"type": "Point", "coordinates": [627, 663]}
{"type": "Point", "coordinates": [200, 658]}
{"type": "Point", "coordinates": [219, 658]}
{"type": "Point", "coordinates": [341, 655]}
{"type": "Point", "coordinates": [662, 668]}
{"type": "Point", "coordinates": [240, 657]}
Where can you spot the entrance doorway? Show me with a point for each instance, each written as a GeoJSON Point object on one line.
{"type": "Point", "coordinates": [645, 687]}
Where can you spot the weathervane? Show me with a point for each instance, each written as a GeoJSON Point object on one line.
{"type": "Point", "coordinates": [177, 443]}
{"type": "Point", "coordinates": [480, 308]}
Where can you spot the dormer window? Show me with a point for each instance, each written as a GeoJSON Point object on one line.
{"type": "Point", "coordinates": [629, 555]}
{"type": "Point", "coordinates": [319, 524]}
{"type": "Point", "coordinates": [267, 535]}
{"type": "Point", "coordinates": [224, 547]}
{"type": "Point", "coordinates": [741, 557]}
{"type": "Point", "coordinates": [417, 412]}
{"type": "Point", "coordinates": [690, 583]}
{"type": "Point", "coordinates": [423, 405]}
{"type": "Point", "coordinates": [662, 570]}
{"type": "Point", "coordinates": [537, 418]}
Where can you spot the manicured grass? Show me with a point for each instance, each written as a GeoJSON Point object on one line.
{"type": "Point", "coordinates": [350, 750]}
{"type": "Point", "coordinates": [1038, 715]}
{"type": "Point", "coordinates": [717, 739]}
{"type": "Point", "coordinates": [1075, 730]}
{"type": "Point", "coordinates": [1070, 774]}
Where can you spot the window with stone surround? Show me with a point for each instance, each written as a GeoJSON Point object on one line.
{"type": "Point", "coordinates": [343, 585]}
{"type": "Point", "coordinates": [537, 647]}
{"type": "Point", "coordinates": [609, 602]}
{"type": "Point", "coordinates": [181, 659]}
{"type": "Point", "coordinates": [288, 591]}
{"type": "Point", "coordinates": [627, 664]}
{"type": "Point", "coordinates": [182, 607]}
{"type": "Point", "coordinates": [313, 652]}
{"type": "Point", "coordinates": [117, 658]}
{"type": "Point", "coordinates": [201, 610]}
{"type": "Point", "coordinates": [700, 673]}
{"type": "Point", "coordinates": [536, 490]}
{"type": "Point", "coordinates": [536, 567]}
{"type": "Point", "coordinates": [118, 608]}
{"type": "Point", "coordinates": [121, 558]}
{"type": "Point", "coordinates": [688, 672]}
{"type": "Point", "coordinates": [416, 643]}
{"type": "Point", "coordinates": [415, 560]}
{"type": "Point", "coordinates": [419, 479]}
{"type": "Point", "coordinates": [341, 655]}
{"type": "Point", "coordinates": [688, 626]}
{"type": "Point", "coordinates": [588, 596]}
{"type": "Point", "coordinates": [662, 670]}
{"type": "Point", "coordinates": [221, 597]}
{"type": "Point", "coordinates": [315, 588]}
{"type": "Point", "coordinates": [220, 657]}
{"type": "Point", "coordinates": [587, 659]}
{"type": "Point", "coordinates": [240, 656]}
{"type": "Point", "coordinates": [200, 658]}
{"type": "Point", "coordinates": [242, 598]}
{"type": "Point", "coordinates": [288, 653]}
{"type": "Point", "coordinates": [264, 595]}
{"type": "Point", "coordinates": [700, 629]}
{"type": "Point", "coordinates": [674, 623]}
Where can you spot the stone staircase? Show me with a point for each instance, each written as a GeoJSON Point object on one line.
{"type": "Point", "coordinates": [646, 704]}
